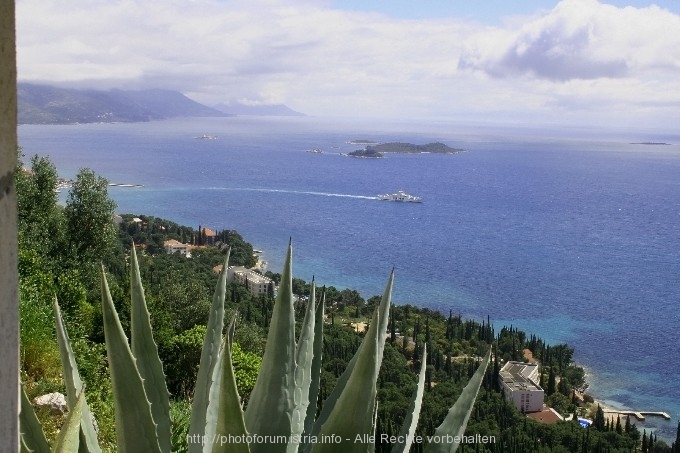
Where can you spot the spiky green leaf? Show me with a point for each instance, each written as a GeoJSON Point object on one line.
{"type": "Point", "coordinates": [383, 319]}
{"type": "Point", "coordinates": [453, 426]}
{"type": "Point", "coordinates": [145, 352]}
{"type": "Point", "coordinates": [408, 429]}
{"type": "Point", "coordinates": [88, 435]}
{"type": "Point", "coordinates": [303, 370]}
{"type": "Point", "coordinates": [68, 439]}
{"type": "Point", "coordinates": [353, 412]}
{"type": "Point", "coordinates": [315, 384]}
{"type": "Point", "coordinates": [135, 428]}
{"type": "Point", "coordinates": [271, 404]}
{"type": "Point", "coordinates": [23, 448]}
{"type": "Point", "coordinates": [209, 357]}
{"type": "Point", "coordinates": [32, 435]}
{"type": "Point", "coordinates": [224, 417]}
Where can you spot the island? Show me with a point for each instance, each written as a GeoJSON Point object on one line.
{"type": "Point", "coordinates": [362, 142]}
{"type": "Point", "coordinates": [367, 153]}
{"type": "Point", "coordinates": [650, 143]}
{"type": "Point", "coordinates": [377, 151]}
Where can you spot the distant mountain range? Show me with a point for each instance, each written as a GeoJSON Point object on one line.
{"type": "Point", "coordinates": [45, 104]}
{"type": "Point", "coordinates": [259, 110]}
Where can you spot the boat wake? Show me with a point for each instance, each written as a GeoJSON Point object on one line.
{"type": "Point", "coordinates": [300, 192]}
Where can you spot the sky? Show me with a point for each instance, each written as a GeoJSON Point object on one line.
{"type": "Point", "coordinates": [581, 62]}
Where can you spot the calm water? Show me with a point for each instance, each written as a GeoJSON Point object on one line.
{"type": "Point", "coordinates": [570, 235]}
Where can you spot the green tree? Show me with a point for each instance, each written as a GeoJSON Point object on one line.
{"type": "Point", "coordinates": [40, 220]}
{"type": "Point", "coordinates": [89, 211]}
{"type": "Point", "coordinates": [551, 382]}
{"type": "Point", "coordinates": [599, 422]}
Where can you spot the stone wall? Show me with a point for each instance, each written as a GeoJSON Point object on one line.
{"type": "Point", "coordinates": [9, 300]}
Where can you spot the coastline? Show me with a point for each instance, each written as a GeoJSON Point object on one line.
{"type": "Point", "coordinates": [653, 417]}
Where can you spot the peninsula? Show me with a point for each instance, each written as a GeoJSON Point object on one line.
{"type": "Point", "coordinates": [379, 150]}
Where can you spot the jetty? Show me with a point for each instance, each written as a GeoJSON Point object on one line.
{"type": "Point", "coordinates": [640, 415]}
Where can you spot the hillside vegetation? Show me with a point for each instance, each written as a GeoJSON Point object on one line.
{"type": "Point", "coordinates": [61, 246]}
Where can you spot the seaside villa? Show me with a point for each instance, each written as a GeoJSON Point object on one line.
{"type": "Point", "coordinates": [174, 246]}
{"type": "Point", "coordinates": [257, 284]}
{"type": "Point", "coordinates": [519, 383]}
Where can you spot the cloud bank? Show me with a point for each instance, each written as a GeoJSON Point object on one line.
{"type": "Point", "coordinates": [581, 60]}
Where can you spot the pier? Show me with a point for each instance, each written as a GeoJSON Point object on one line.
{"type": "Point", "coordinates": [639, 414]}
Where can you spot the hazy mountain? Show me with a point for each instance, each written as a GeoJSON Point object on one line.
{"type": "Point", "coordinates": [258, 110]}
{"type": "Point", "coordinates": [44, 104]}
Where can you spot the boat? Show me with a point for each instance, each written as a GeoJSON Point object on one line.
{"type": "Point", "coordinates": [206, 137]}
{"type": "Point", "coordinates": [400, 196]}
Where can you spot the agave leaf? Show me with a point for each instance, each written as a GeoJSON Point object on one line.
{"type": "Point", "coordinates": [375, 425]}
{"type": "Point", "coordinates": [456, 420]}
{"type": "Point", "coordinates": [23, 448]}
{"type": "Point", "coordinates": [68, 440]}
{"type": "Point", "coordinates": [225, 416]}
{"type": "Point", "coordinates": [135, 428]}
{"type": "Point", "coordinates": [145, 351]}
{"type": "Point", "coordinates": [209, 356]}
{"type": "Point", "coordinates": [32, 436]}
{"type": "Point", "coordinates": [303, 370]}
{"type": "Point", "coordinates": [329, 403]}
{"type": "Point", "coordinates": [88, 435]}
{"type": "Point", "coordinates": [315, 383]}
{"type": "Point", "coordinates": [408, 429]}
{"type": "Point", "coordinates": [271, 404]}
{"type": "Point", "coordinates": [352, 416]}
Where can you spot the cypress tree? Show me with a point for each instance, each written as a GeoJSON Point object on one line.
{"type": "Point", "coordinates": [619, 430]}
{"type": "Point", "coordinates": [416, 330]}
{"type": "Point", "coordinates": [449, 326]}
{"type": "Point", "coordinates": [626, 428]}
{"type": "Point", "coordinates": [676, 448]}
{"type": "Point", "coordinates": [551, 382]}
{"type": "Point", "coordinates": [644, 442]}
{"type": "Point", "coordinates": [599, 422]}
{"type": "Point", "coordinates": [393, 328]}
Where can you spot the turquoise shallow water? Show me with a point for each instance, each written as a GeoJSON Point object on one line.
{"type": "Point", "coordinates": [574, 236]}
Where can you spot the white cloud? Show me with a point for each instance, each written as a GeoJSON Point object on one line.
{"type": "Point", "coordinates": [580, 39]}
{"type": "Point", "coordinates": [582, 56]}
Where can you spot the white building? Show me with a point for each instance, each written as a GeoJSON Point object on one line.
{"type": "Point", "coordinates": [519, 382]}
{"type": "Point", "coordinates": [257, 284]}
{"type": "Point", "coordinates": [174, 246]}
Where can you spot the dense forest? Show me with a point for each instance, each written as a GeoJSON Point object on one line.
{"type": "Point", "coordinates": [61, 248]}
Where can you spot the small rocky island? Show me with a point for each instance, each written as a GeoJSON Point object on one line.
{"type": "Point", "coordinates": [377, 151]}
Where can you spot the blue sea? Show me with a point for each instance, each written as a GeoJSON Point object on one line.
{"type": "Point", "coordinates": [571, 234]}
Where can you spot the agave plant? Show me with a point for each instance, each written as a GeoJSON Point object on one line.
{"type": "Point", "coordinates": [281, 412]}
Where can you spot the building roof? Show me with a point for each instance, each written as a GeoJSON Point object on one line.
{"type": "Point", "coordinates": [547, 416]}
{"type": "Point", "coordinates": [208, 232]}
{"type": "Point", "coordinates": [252, 276]}
{"type": "Point", "coordinates": [174, 243]}
{"type": "Point", "coordinates": [516, 375]}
